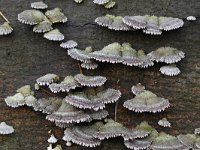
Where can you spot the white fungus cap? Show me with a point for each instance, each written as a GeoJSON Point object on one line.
{"type": "Point", "coordinates": [6, 129]}
{"type": "Point", "coordinates": [52, 139]}
{"type": "Point", "coordinates": [191, 18]}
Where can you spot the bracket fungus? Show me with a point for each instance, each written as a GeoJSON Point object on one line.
{"type": "Point", "coordinates": [66, 85]}
{"type": "Point", "coordinates": [137, 89]}
{"type": "Point", "coordinates": [31, 17]}
{"type": "Point", "coordinates": [69, 44]}
{"type": "Point", "coordinates": [90, 81]}
{"type": "Point", "coordinates": [188, 140]}
{"type": "Point", "coordinates": [54, 35]}
{"type": "Point", "coordinates": [100, 2]}
{"type": "Point", "coordinates": [42, 27]}
{"type": "Point", "coordinates": [165, 142]}
{"type": "Point", "coordinates": [6, 129]}
{"type": "Point", "coordinates": [191, 18]}
{"type": "Point", "coordinates": [39, 5]}
{"type": "Point", "coordinates": [167, 55]}
{"type": "Point", "coordinates": [110, 4]}
{"type": "Point", "coordinates": [146, 101]}
{"type": "Point", "coordinates": [55, 15]}
{"type": "Point", "coordinates": [146, 61]}
{"type": "Point", "coordinates": [89, 65]}
{"type": "Point", "coordinates": [93, 99]}
{"type": "Point", "coordinates": [47, 79]}
{"type": "Point", "coordinates": [170, 70]}
{"type": "Point", "coordinates": [137, 144]}
{"type": "Point", "coordinates": [150, 24]}
{"type": "Point", "coordinates": [78, 1]}
{"type": "Point", "coordinates": [106, 3]}
{"type": "Point", "coordinates": [5, 29]}
{"type": "Point", "coordinates": [164, 123]}
{"type": "Point", "coordinates": [52, 139]}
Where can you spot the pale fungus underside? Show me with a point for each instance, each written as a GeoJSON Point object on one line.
{"type": "Point", "coordinates": [5, 129]}
{"type": "Point", "coordinates": [164, 123]}
{"type": "Point", "coordinates": [5, 29]}
{"type": "Point", "coordinates": [106, 3]}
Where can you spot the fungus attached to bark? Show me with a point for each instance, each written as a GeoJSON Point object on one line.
{"type": "Point", "coordinates": [137, 89]}
{"type": "Point", "coordinates": [118, 24]}
{"type": "Point", "coordinates": [55, 15]}
{"type": "Point", "coordinates": [170, 23]}
{"type": "Point", "coordinates": [43, 27]}
{"type": "Point", "coordinates": [52, 139]}
{"type": "Point", "coordinates": [47, 79]}
{"type": "Point", "coordinates": [191, 18]}
{"type": "Point", "coordinates": [146, 101]}
{"type": "Point", "coordinates": [97, 115]}
{"type": "Point", "coordinates": [110, 53]}
{"type": "Point", "coordinates": [89, 65]}
{"type": "Point", "coordinates": [80, 55]}
{"type": "Point", "coordinates": [165, 142]}
{"type": "Point", "coordinates": [65, 86]}
{"type": "Point", "coordinates": [146, 61]}
{"type": "Point", "coordinates": [5, 28]}
{"type": "Point", "coordinates": [197, 131]}
{"type": "Point", "coordinates": [69, 44]}
{"type": "Point", "coordinates": [170, 70]}
{"type": "Point", "coordinates": [100, 2]}
{"type": "Point", "coordinates": [78, 1]}
{"type": "Point", "coordinates": [152, 26]}
{"type": "Point", "coordinates": [31, 17]}
{"type": "Point", "coordinates": [164, 123]}
{"type": "Point", "coordinates": [90, 81]}
{"type": "Point", "coordinates": [137, 144]}
{"type": "Point", "coordinates": [6, 129]}
{"type": "Point", "coordinates": [54, 35]}
{"type": "Point", "coordinates": [110, 4]}
{"type": "Point", "coordinates": [167, 55]}
{"type": "Point", "coordinates": [15, 101]}
{"type": "Point", "coordinates": [68, 114]}
{"type": "Point", "coordinates": [136, 22]}
{"type": "Point", "coordinates": [188, 140]}
{"type": "Point", "coordinates": [39, 5]}
{"type": "Point", "coordinates": [105, 21]}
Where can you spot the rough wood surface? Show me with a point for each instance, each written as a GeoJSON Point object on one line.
{"type": "Point", "coordinates": [25, 56]}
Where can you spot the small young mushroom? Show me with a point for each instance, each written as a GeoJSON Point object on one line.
{"type": "Point", "coordinates": [65, 86]}
{"type": "Point", "coordinates": [6, 129]}
{"type": "Point", "coordinates": [5, 28]}
{"type": "Point", "coordinates": [147, 101]}
{"type": "Point", "coordinates": [118, 24]}
{"type": "Point", "coordinates": [110, 4]}
{"type": "Point", "coordinates": [164, 123]}
{"type": "Point", "coordinates": [37, 87]}
{"type": "Point", "coordinates": [191, 18]}
{"type": "Point", "coordinates": [167, 55]}
{"type": "Point", "coordinates": [31, 17]}
{"type": "Point", "coordinates": [80, 55]}
{"type": "Point", "coordinates": [188, 140]}
{"type": "Point", "coordinates": [89, 65]}
{"type": "Point", "coordinates": [197, 131]}
{"type": "Point", "coordinates": [78, 1]}
{"type": "Point", "coordinates": [39, 5]}
{"type": "Point", "coordinates": [47, 79]}
{"type": "Point", "coordinates": [55, 15]}
{"type": "Point", "coordinates": [170, 70]}
{"type": "Point", "coordinates": [152, 26]}
{"type": "Point", "coordinates": [137, 89]}
{"type": "Point", "coordinates": [69, 44]}
{"type": "Point", "coordinates": [100, 2]}
{"type": "Point", "coordinates": [105, 21]}
{"type": "Point", "coordinates": [110, 53]}
{"type": "Point", "coordinates": [90, 81]}
{"type": "Point", "coordinates": [52, 139]}
{"type": "Point", "coordinates": [54, 35]}
{"type": "Point", "coordinates": [43, 27]}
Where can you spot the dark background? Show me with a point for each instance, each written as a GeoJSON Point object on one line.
{"type": "Point", "coordinates": [25, 56]}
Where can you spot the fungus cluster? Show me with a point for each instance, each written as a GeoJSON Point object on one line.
{"type": "Point", "coordinates": [106, 3]}
{"type": "Point", "coordinates": [149, 24]}
{"type": "Point", "coordinates": [145, 101]}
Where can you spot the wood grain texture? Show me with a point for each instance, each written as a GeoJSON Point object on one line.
{"type": "Point", "coordinates": [25, 56]}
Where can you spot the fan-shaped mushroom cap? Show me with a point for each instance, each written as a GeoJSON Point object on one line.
{"type": "Point", "coordinates": [105, 21]}
{"type": "Point", "coordinates": [52, 139]}
{"type": "Point", "coordinates": [166, 142]}
{"type": "Point", "coordinates": [78, 1]}
{"type": "Point", "coordinates": [6, 129]}
{"type": "Point", "coordinates": [169, 23]}
{"type": "Point", "coordinates": [164, 122]}
{"type": "Point", "coordinates": [152, 26]}
{"type": "Point", "coordinates": [48, 106]}
{"type": "Point", "coordinates": [136, 22]}
{"type": "Point", "coordinates": [47, 79]}
{"type": "Point", "coordinates": [188, 140]}
{"type": "Point", "coordinates": [31, 17]}
{"type": "Point", "coordinates": [54, 35]}
{"type": "Point", "coordinates": [68, 114]}
{"type": "Point", "coordinates": [89, 65]}
{"type": "Point", "coordinates": [97, 115]}
{"type": "Point", "coordinates": [15, 101]}
{"type": "Point", "coordinates": [146, 61]}
{"type": "Point", "coordinates": [146, 101]}
{"type": "Point", "coordinates": [55, 15]}
{"type": "Point", "coordinates": [39, 5]}
{"type": "Point", "coordinates": [81, 55]}
{"type": "Point", "coordinates": [91, 81]}
{"type": "Point", "coordinates": [69, 44]}
{"type": "Point", "coordinates": [118, 25]}
{"type": "Point", "coordinates": [137, 144]}
{"type": "Point", "coordinates": [191, 18]}
{"type": "Point", "coordinates": [65, 86]}
{"type": "Point", "coordinates": [137, 89]}
{"type": "Point", "coordinates": [43, 27]}
{"type": "Point", "coordinates": [110, 53]}
{"type": "Point", "coordinates": [110, 4]}
{"type": "Point", "coordinates": [197, 131]}
{"type": "Point", "coordinates": [100, 2]}
{"type": "Point", "coordinates": [30, 101]}
{"type": "Point", "coordinates": [170, 70]}
{"type": "Point", "coordinates": [83, 135]}
{"type": "Point", "coordinates": [5, 29]}
{"type": "Point", "coordinates": [167, 54]}
{"type": "Point", "coordinates": [25, 90]}
{"type": "Point", "coordinates": [129, 55]}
